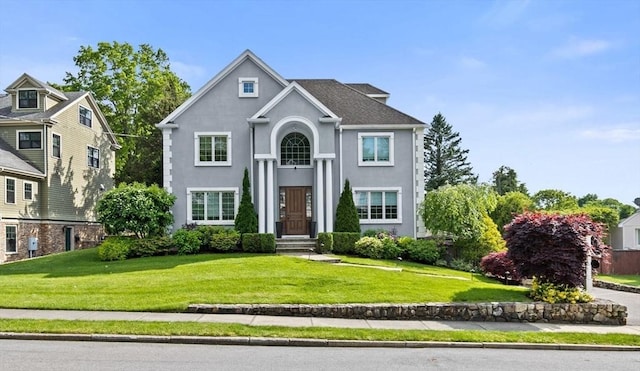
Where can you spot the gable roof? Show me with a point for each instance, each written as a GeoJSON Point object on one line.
{"type": "Point", "coordinates": [246, 55]}
{"type": "Point", "coordinates": [39, 84]}
{"type": "Point", "coordinates": [367, 88]}
{"type": "Point", "coordinates": [70, 98]}
{"type": "Point", "coordinates": [631, 221]}
{"type": "Point", "coordinates": [354, 106]}
{"type": "Point", "coordinates": [12, 161]}
{"type": "Point", "coordinates": [294, 86]}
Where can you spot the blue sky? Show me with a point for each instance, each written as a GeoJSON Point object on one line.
{"type": "Point", "coordinates": [548, 88]}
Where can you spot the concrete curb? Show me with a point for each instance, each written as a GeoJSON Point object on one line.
{"type": "Point", "coordinates": [262, 341]}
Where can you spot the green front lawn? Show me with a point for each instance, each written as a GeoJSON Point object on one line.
{"type": "Point", "coordinates": [625, 279]}
{"type": "Point", "coordinates": [79, 280]}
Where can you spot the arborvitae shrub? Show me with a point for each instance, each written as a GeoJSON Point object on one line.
{"type": "Point", "coordinates": [347, 219]}
{"type": "Point", "coordinates": [246, 220]}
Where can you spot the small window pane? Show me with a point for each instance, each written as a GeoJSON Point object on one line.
{"type": "Point", "coordinates": [383, 149]}
{"type": "Point", "coordinates": [391, 205]}
{"type": "Point", "coordinates": [28, 99]}
{"type": "Point", "coordinates": [221, 149]}
{"type": "Point", "coordinates": [85, 116]}
{"type": "Point", "coordinates": [376, 205]}
{"type": "Point", "coordinates": [361, 205]}
{"type": "Point", "coordinates": [295, 150]}
{"type": "Point", "coordinates": [368, 149]}
{"type": "Point", "coordinates": [93, 157]}
{"type": "Point", "coordinates": [197, 206]}
{"type": "Point", "coordinates": [29, 140]}
{"type": "Point", "coordinates": [56, 146]}
{"type": "Point", "coordinates": [28, 191]}
{"type": "Point", "coordinates": [247, 87]}
{"type": "Point", "coordinates": [213, 206]}
{"type": "Point", "coordinates": [205, 149]}
{"type": "Point", "coordinates": [228, 209]}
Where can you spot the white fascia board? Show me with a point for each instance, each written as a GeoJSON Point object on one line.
{"type": "Point", "coordinates": [247, 54]}
{"type": "Point", "coordinates": [385, 127]}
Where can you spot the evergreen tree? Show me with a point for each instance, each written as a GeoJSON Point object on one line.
{"type": "Point", "coordinates": [445, 162]}
{"type": "Point", "coordinates": [346, 213]}
{"type": "Point", "coordinates": [505, 180]}
{"type": "Point", "coordinates": [246, 220]}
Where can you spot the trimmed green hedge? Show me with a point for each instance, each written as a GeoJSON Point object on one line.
{"type": "Point", "coordinates": [116, 248]}
{"type": "Point", "coordinates": [259, 242]}
{"type": "Point", "coordinates": [345, 242]}
{"type": "Point", "coordinates": [324, 243]}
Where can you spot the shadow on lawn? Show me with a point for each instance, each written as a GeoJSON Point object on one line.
{"type": "Point", "coordinates": [480, 295]}
{"type": "Point", "coordinates": [86, 263]}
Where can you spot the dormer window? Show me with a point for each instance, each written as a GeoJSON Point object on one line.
{"type": "Point", "coordinates": [85, 116]}
{"type": "Point", "coordinates": [27, 99]}
{"type": "Point", "coordinates": [248, 87]}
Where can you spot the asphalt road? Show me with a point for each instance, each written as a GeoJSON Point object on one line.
{"type": "Point", "coordinates": [32, 355]}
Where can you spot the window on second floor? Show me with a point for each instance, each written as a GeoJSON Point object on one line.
{"type": "Point", "coordinates": [10, 191]}
{"type": "Point", "coordinates": [27, 99]}
{"type": "Point", "coordinates": [55, 146]}
{"type": "Point", "coordinates": [295, 150]}
{"type": "Point", "coordinates": [212, 148]}
{"type": "Point", "coordinates": [29, 140]}
{"type": "Point", "coordinates": [93, 157]}
{"type": "Point", "coordinates": [375, 149]}
{"type": "Point", "coordinates": [28, 191]}
{"type": "Point", "coordinates": [85, 116]}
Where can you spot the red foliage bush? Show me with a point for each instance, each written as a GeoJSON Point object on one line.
{"type": "Point", "coordinates": [498, 264]}
{"type": "Point", "coordinates": [553, 247]}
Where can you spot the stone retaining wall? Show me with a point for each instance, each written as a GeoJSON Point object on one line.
{"type": "Point", "coordinates": [599, 312]}
{"type": "Point", "coordinates": [616, 286]}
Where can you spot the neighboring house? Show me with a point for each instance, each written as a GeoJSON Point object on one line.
{"type": "Point", "coordinates": [300, 139]}
{"type": "Point", "coordinates": [57, 156]}
{"type": "Point", "coordinates": [627, 235]}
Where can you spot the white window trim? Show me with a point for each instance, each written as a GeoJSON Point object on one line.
{"type": "Point", "coordinates": [88, 109]}
{"type": "Point", "coordinates": [28, 131]}
{"type": "Point", "coordinates": [196, 147]}
{"type": "Point", "coordinates": [241, 92]}
{"type": "Point", "coordinates": [59, 136]}
{"type": "Point", "coordinates": [15, 190]}
{"type": "Point", "coordinates": [389, 135]}
{"type": "Point", "coordinates": [397, 190]}
{"type": "Point", "coordinates": [5, 239]}
{"type": "Point", "coordinates": [637, 230]}
{"type": "Point", "coordinates": [236, 202]}
{"type": "Point", "coordinates": [99, 158]}
{"type": "Point", "coordinates": [24, 191]}
{"type": "Point", "coordinates": [27, 108]}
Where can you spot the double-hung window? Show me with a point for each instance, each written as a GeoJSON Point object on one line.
{"type": "Point", "coordinates": [27, 99]}
{"type": "Point", "coordinates": [28, 191]}
{"type": "Point", "coordinates": [93, 157]}
{"type": "Point", "coordinates": [10, 191]}
{"type": "Point", "coordinates": [212, 205]}
{"type": "Point", "coordinates": [378, 205]}
{"type": "Point", "coordinates": [85, 116]}
{"type": "Point", "coordinates": [11, 239]}
{"type": "Point", "coordinates": [29, 140]}
{"type": "Point", "coordinates": [375, 149]}
{"type": "Point", "coordinates": [56, 145]}
{"type": "Point", "coordinates": [212, 148]}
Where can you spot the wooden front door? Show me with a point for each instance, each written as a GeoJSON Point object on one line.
{"type": "Point", "coordinates": [295, 210]}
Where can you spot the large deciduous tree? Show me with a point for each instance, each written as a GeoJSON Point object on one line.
{"type": "Point", "coordinates": [554, 200]}
{"type": "Point", "coordinates": [445, 162]}
{"type": "Point", "coordinates": [458, 211]}
{"type": "Point", "coordinates": [505, 180]}
{"type": "Point", "coordinates": [135, 89]}
{"type": "Point", "coordinates": [509, 205]}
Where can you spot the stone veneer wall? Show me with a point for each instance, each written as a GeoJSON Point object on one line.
{"type": "Point", "coordinates": [51, 237]}
{"type": "Point", "coordinates": [616, 286]}
{"type": "Point", "coordinates": [599, 312]}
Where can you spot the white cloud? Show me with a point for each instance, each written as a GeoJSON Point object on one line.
{"type": "Point", "coordinates": [615, 135]}
{"type": "Point", "coordinates": [579, 48]}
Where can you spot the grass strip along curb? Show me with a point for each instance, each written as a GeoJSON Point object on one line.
{"type": "Point", "coordinates": [237, 334]}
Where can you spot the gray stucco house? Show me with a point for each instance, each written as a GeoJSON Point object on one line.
{"type": "Point", "coordinates": [300, 140]}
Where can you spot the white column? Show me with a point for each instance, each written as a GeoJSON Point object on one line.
{"type": "Point", "coordinates": [329, 193]}
{"type": "Point", "coordinates": [320, 196]}
{"type": "Point", "coordinates": [261, 196]}
{"type": "Point", "coordinates": [270, 196]}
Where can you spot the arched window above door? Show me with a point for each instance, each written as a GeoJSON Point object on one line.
{"type": "Point", "coordinates": [295, 150]}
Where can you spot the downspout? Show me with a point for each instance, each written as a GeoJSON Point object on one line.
{"type": "Point", "coordinates": [414, 190]}
{"type": "Point", "coordinates": [341, 156]}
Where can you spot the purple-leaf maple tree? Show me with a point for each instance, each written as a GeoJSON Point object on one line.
{"type": "Point", "coordinates": [553, 247]}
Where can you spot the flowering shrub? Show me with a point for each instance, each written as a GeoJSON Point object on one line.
{"type": "Point", "coordinates": [497, 264]}
{"type": "Point", "coordinates": [369, 247]}
{"type": "Point", "coordinates": [551, 293]}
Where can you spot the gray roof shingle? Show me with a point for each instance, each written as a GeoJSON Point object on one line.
{"type": "Point", "coordinates": [366, 88]}
{"type": "Point", "coordinates": [10, 159]}
{"type": "Point", "coordinates": [353, 106]}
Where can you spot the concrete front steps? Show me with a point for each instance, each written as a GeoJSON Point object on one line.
{"type": "Point", "coordinates": [302, 247]}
